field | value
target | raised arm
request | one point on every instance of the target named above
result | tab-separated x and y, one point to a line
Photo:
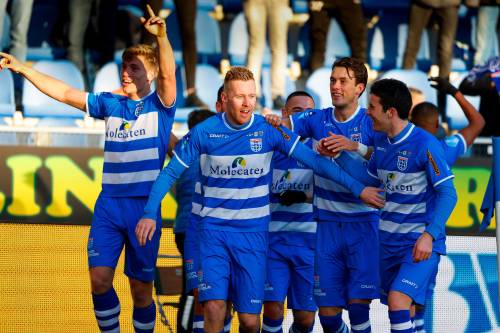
476	121
48	85
165	84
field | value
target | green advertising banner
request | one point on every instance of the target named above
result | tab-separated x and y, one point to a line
61	185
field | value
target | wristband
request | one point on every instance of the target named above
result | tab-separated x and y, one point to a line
362	149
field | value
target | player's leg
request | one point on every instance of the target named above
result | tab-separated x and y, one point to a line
363	263
191	268
140	262
329	277
278	280
104	246
300	295
248	252
214	276
409	286
419	309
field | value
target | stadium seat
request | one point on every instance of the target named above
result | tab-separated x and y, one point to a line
206	5
208	81
37	104
174	36
5	37
266	86
299	6
455	115
208	38
318	86
107	78
7	104
415	79
336	44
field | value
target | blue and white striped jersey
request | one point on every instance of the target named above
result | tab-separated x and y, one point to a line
294	224
235	171
454	146
410	166
332	201
136	141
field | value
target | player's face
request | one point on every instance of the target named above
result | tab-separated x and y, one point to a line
343	87
239	101
136	76
381	118
297	104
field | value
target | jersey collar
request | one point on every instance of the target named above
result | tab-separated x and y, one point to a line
244	127
348	119
405	133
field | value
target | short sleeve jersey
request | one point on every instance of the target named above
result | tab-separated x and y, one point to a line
332	201
410	166
235	170
136	141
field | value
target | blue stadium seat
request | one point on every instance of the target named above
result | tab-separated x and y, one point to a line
238	43
266	86
415	79
206	5
174	36
455	115
299	6
318	86
5	37
107	78
336	44
383	42
37	104
208	38
7	104
208	81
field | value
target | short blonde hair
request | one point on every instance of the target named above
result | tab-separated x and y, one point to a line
149	53
238	73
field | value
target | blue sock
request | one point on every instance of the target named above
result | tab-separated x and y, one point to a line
198	322
419	321
107	311
227	324
144	318
333	324
300	329
400	321
272	326
359	315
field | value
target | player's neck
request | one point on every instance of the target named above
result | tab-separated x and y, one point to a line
139	94
344	112
397	127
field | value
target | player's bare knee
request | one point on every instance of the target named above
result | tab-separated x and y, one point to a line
215	307
398	301
249	323
329	310
303	318
101	279
273	310
141	293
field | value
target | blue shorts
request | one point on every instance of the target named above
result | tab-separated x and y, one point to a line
233	264
290	273
346	263
113	227
191	257
400	273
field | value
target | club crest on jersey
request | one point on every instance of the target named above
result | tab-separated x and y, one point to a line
256	144
402	163
356	137
138	108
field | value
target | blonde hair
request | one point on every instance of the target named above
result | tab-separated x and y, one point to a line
238	73
149	53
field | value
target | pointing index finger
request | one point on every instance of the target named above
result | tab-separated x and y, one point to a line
150	11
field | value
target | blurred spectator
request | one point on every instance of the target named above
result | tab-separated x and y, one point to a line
186	16
349	15
446	13
20	15
417	97
486	33
80	12
259	15
484	81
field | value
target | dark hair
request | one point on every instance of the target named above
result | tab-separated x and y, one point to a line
197	116
219	94
356	66
298	93
393	93
423	111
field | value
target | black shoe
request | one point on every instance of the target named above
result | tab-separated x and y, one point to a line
278	103
192	100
